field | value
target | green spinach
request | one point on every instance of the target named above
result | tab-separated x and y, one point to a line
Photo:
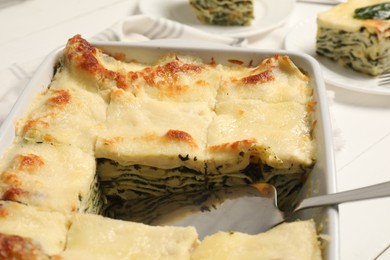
375	12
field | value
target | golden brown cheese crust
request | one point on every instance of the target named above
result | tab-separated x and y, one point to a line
175	78
261	77
53	177
146	131
181	136
166	75
64	117
81	57
21	223
29	163
166	78
277	134
60	98
20	248
275	79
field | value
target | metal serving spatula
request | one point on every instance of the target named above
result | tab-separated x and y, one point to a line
250	209
253	209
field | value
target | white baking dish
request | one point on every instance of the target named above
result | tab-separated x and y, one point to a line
322	179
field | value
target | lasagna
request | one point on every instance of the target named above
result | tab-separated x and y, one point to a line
297	240
55	177
27	232
224	12
354	36
180	126
96	237
107	135
64	116
31	231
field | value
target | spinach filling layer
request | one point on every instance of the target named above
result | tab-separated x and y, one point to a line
145	194
361	50
224	12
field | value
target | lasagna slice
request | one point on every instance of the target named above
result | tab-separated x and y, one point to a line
359	42
296	240
274	80
92	69
177	78
152	147
224	12
253	141
28	231
96	237
58	178
64	117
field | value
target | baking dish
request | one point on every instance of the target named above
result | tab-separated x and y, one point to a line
322	178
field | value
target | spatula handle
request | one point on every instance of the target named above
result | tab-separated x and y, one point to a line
369	192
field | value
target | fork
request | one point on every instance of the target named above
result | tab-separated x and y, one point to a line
384	80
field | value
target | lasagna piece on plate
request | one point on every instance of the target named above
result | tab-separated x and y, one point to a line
224	12
356	34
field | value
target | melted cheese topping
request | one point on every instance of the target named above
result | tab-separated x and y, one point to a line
58	178
161	111
296	240
176	78
155	133
279	134
274	80
341	17
46	229
64	117
140	128
166	129
87	65
95	237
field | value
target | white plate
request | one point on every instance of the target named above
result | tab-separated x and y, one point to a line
268	15
302	38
